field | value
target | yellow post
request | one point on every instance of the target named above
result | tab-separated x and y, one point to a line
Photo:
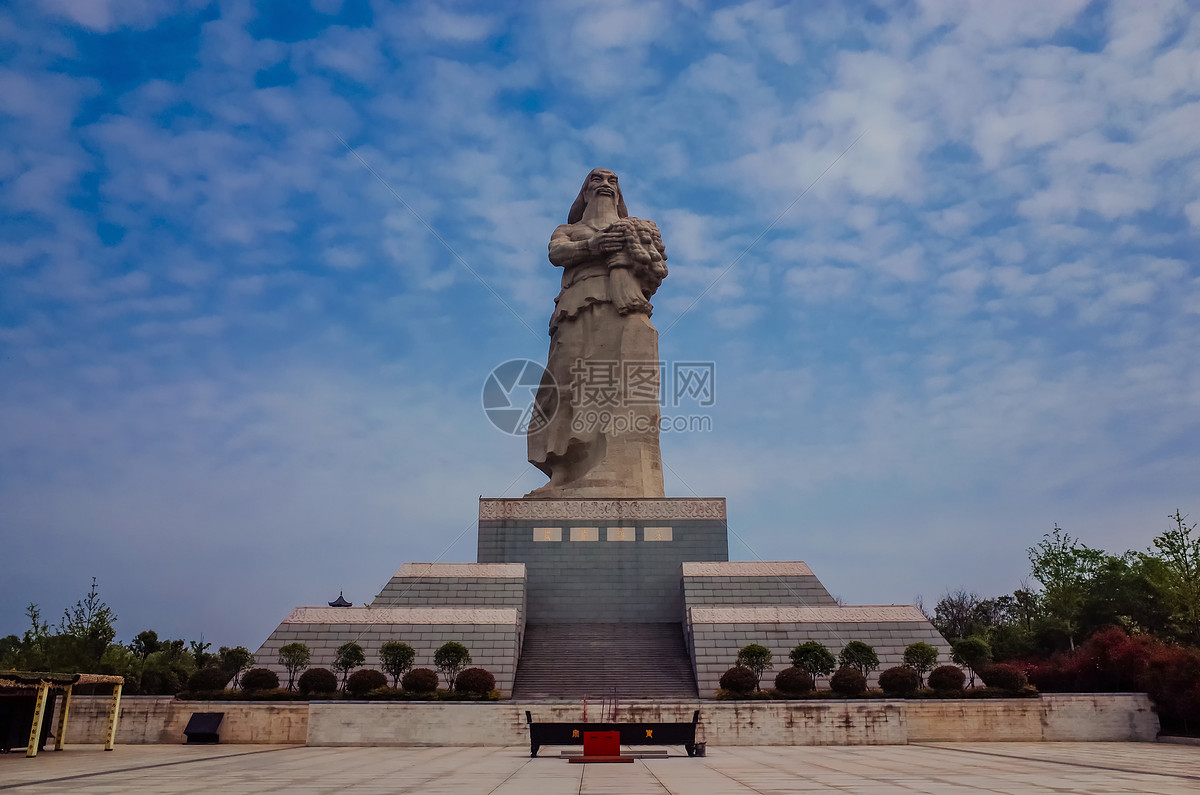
113	712
39	712
60	736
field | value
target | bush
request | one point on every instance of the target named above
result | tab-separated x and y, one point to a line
318	680
848	682
900	681
1173	681
348	657
450	659
294	657
476	681
793	681
420	680
859	655
813	657
947	679
1003	676
260	679
757	658
1115	662
921	657
395	658
739	680
365	680
210	678
973	652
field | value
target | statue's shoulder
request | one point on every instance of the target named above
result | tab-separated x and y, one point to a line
572	232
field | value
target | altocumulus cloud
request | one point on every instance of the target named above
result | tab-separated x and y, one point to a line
228	352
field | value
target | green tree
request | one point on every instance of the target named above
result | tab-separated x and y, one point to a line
860	656
294	657
922	658
235	660
1064	567
32	654
1126	592
200	652
145	643
757	658
118	660
396	658
10	650
86	630
812	656
973	652
1179	551
348	657
167	670
956	614
451	659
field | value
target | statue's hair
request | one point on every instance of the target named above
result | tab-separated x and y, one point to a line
576	214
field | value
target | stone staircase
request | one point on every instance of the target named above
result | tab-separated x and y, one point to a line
598	660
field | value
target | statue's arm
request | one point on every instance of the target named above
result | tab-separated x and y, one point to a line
565	252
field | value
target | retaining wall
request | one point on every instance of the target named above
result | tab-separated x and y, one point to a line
1060	717
152	720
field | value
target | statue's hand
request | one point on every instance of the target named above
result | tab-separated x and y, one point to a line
606	242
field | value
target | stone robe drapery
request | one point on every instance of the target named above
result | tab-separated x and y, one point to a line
601	435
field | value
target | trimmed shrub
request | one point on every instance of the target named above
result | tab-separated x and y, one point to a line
364	680
757	658
793	681
476	681
739	680
420	680
294	657
900	681
848	682
209	678
973	652
395	658
1003	676
348	657
921	657
451	658
947	679
318	680
813	657
260	679
859	655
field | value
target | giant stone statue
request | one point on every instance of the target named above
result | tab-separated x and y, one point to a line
596	425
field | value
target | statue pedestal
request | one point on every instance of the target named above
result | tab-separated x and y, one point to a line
603	560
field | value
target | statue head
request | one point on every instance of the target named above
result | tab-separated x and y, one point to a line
596	181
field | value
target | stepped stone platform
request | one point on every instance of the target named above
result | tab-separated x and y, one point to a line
424	605
599	660
716	633
596	597
734	584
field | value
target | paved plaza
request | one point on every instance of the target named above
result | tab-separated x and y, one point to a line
943	768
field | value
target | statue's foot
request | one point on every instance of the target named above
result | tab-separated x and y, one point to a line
543	492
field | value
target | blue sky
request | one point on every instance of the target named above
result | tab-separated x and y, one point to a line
237	375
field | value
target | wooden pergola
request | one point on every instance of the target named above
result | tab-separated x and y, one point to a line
42	685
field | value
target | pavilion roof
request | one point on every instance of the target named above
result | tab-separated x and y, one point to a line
24	679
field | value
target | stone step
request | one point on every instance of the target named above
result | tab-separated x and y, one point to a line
599	660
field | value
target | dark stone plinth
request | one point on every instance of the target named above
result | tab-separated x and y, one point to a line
609	579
